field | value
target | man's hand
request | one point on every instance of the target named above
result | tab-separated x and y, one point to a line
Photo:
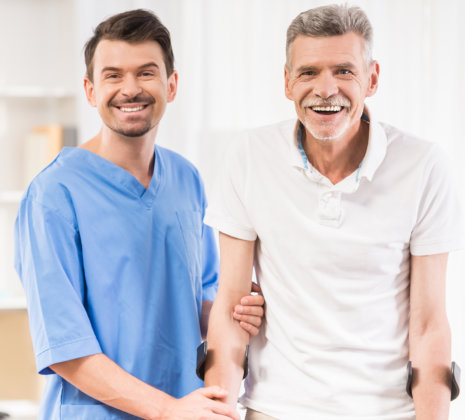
250	311
200	404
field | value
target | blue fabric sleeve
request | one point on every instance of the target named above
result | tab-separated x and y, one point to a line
209	256
210	264
48	259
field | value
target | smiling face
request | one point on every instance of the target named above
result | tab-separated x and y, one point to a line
328	80
130	87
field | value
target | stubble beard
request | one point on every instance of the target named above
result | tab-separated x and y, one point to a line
138	130
134	131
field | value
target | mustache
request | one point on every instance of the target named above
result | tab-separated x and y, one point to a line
144	98
331	101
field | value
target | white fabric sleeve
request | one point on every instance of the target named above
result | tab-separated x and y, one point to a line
439	228
227	211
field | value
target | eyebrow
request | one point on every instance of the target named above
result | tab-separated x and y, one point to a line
303	69
345	65
105	69
143	66
151	64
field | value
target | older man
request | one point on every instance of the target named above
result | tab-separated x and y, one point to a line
349	223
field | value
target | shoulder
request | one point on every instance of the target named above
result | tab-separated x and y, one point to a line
51	179
411	149
175	162
49	191
180	175
397	138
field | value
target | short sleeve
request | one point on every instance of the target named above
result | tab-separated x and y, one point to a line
439	227
48	259
227	211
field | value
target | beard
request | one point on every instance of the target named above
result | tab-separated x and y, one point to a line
329	133
137	131
137	128
328	136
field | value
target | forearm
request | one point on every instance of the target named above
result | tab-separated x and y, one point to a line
102	379
226	339
429	337
226	350
430	355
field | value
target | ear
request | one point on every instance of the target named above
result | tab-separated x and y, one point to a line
90	92
287	78
373	74
172	86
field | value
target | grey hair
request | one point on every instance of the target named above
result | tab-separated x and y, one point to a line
332	20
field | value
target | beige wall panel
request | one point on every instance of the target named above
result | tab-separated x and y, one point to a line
18	377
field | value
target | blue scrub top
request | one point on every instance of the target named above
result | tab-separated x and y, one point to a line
109	266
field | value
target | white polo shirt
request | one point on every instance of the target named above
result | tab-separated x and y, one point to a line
333	264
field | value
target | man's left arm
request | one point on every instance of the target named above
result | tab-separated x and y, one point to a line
249	313
429	337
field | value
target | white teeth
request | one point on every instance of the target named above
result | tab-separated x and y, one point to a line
124	109
334	108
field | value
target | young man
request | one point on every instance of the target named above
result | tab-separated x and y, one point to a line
118	268
349	223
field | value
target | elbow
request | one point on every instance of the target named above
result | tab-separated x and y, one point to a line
430	344
433	323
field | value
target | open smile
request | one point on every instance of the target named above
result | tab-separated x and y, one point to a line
327	110
132	109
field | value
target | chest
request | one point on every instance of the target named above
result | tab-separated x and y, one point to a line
310	224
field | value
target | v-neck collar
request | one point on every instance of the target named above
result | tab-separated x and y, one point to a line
120	177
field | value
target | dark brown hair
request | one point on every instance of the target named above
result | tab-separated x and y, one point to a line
133	26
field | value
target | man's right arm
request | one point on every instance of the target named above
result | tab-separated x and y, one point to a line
48	261
226	339
101	378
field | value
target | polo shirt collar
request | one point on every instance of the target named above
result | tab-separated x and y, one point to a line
295	157
376	149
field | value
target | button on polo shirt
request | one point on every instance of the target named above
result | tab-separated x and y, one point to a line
330	208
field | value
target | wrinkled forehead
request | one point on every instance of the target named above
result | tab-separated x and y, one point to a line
309	50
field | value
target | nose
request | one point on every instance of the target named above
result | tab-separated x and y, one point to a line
325	85
130	86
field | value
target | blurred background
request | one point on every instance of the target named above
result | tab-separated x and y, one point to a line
230	57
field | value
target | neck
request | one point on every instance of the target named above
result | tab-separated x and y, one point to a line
133	154
337	159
